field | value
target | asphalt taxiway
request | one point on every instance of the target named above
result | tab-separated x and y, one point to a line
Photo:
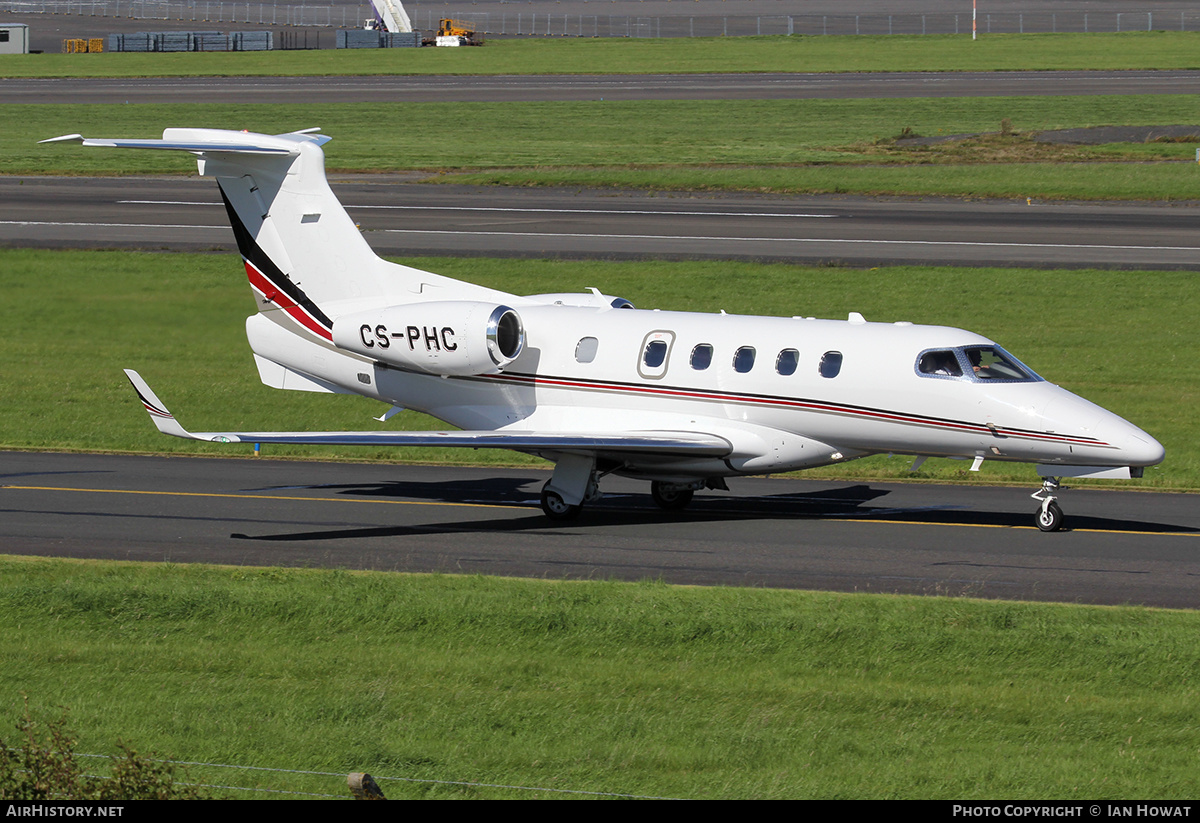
1118	548
401	218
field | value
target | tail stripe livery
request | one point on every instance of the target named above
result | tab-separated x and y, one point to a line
275	286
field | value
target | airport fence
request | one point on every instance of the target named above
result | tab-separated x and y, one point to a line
508	23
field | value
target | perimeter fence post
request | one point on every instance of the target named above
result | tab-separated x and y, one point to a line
889	24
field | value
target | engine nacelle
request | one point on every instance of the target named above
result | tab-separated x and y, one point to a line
450	337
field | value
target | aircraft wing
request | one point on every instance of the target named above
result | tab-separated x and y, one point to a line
696	444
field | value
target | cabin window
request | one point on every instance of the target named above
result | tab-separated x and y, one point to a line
787	361
831	364
656	354
939	363
743	359
585	350
702	356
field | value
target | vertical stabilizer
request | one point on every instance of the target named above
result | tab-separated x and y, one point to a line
306	260
301	250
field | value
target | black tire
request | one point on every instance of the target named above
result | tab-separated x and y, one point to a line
1049	518
555	507
670	498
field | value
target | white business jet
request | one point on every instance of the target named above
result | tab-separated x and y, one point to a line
681	399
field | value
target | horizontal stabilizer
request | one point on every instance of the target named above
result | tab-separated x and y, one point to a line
694	444
205	140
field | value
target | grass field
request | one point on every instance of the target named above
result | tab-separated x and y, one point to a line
775	145
1121	339
997	52
640	689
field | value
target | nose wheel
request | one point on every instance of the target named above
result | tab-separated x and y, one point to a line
1048	516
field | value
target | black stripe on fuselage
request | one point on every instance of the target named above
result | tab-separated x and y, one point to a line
782	401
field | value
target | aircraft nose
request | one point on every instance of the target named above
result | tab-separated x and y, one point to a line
1134	446
1142	449
1137	447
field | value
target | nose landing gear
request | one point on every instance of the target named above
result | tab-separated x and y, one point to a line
1048	516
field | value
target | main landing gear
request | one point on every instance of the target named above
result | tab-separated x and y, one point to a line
673	497
576	482
1048	516
555	507
668	496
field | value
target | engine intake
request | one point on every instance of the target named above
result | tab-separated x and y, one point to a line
451	337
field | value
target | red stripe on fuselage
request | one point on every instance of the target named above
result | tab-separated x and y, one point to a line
785	402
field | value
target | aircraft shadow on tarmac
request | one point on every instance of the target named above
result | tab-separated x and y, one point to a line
617	509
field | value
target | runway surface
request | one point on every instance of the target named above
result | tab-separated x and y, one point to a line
400	89
1120	547
401	218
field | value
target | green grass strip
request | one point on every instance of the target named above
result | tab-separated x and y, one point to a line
73	320
995	52
775	145
643	689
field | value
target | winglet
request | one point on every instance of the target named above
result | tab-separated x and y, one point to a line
163	419
78	138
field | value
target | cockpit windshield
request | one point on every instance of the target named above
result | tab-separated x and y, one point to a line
994	363
990	363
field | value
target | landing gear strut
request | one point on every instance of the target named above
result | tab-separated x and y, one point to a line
1048	516
574	483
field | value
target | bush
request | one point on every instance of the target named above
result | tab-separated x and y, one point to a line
47	769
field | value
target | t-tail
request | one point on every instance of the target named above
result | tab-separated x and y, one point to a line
306	260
